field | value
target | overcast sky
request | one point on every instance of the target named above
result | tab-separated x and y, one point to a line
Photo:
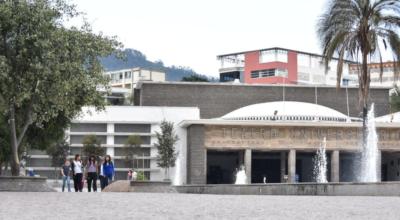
192	33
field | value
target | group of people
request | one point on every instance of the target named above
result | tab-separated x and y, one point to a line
91	171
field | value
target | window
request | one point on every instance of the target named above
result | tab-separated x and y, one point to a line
303	60
255	74
269	73
127	75
282	56
267	56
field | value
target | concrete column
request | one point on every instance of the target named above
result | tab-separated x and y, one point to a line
283	166
247	164
292	166
379	166
335	166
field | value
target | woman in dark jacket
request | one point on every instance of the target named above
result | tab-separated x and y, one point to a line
91	168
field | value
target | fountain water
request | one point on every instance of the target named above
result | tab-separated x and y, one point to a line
320	164
241	176
369	156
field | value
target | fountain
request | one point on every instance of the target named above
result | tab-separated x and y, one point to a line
320	164
369	158
241	176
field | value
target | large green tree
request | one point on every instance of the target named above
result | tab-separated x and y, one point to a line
46	69
360	30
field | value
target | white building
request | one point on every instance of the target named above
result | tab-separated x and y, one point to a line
112	127
127	78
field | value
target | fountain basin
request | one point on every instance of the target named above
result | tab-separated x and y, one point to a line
306	189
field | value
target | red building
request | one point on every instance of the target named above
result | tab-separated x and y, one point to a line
277	66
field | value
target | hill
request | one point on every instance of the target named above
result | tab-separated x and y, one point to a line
134	58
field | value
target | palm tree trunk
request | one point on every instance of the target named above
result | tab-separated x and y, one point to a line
365	92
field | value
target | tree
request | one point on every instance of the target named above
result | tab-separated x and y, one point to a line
354	28
58	153
46	69
395	99
92	147
195	78
166	141
132	145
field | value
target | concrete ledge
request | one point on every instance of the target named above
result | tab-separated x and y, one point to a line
24	184
152	186
321	189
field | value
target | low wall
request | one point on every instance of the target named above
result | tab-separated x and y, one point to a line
152	186
24	184
321	189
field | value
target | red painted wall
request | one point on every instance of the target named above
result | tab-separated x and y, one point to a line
252	63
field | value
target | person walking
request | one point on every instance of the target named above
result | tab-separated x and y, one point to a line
91	178
78	173
66	173
108	170
102	177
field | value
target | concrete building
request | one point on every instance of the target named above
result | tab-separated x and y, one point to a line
388	76
279	140
218	99
279	66
128	78
112	127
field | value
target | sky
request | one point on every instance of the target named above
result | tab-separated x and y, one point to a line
193	32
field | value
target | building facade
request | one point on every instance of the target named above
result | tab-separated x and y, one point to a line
388	79
128	78
279	141
112	127
218	99
279	66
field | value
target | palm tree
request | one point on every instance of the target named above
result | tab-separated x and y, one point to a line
360	30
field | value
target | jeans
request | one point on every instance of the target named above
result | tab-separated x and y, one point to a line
66	179
92	177
102	182
78	185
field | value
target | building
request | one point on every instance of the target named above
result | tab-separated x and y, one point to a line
388	76
218	99
112	127
279	66
128	78
279	140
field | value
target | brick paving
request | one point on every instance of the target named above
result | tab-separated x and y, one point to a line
191	206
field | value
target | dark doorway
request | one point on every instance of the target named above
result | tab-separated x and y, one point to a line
222	166
266	164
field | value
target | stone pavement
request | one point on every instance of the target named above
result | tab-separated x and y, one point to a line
192	206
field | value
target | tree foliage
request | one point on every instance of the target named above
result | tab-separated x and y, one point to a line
195	78
360	30
58	153
46	69
92	147
166	140
131	147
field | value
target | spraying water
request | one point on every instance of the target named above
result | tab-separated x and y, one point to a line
320	164
177	177
369	157
241	176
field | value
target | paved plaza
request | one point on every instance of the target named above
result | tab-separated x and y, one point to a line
190	206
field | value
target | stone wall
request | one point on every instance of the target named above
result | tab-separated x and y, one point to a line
24	184
217	99
196	155
310	189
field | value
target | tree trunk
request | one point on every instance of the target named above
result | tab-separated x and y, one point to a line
14	162
365	93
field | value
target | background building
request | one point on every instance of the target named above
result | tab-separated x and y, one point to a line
277	66
112	127
217	99
388	76
127	78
